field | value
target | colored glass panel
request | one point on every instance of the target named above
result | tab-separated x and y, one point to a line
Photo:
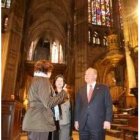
99	12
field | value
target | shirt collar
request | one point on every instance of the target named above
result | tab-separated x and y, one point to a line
40	74
93	84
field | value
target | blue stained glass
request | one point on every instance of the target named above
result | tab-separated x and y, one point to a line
99	12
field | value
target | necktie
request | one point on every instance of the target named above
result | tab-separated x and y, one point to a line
90	93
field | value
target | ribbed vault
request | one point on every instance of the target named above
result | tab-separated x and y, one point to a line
48	20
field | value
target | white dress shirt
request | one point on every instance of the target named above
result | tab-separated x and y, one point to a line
88	87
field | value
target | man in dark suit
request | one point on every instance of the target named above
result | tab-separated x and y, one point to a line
93	110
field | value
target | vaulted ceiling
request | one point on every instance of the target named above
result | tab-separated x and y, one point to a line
48	19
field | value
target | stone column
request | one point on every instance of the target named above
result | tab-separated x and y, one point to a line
12	58
81	40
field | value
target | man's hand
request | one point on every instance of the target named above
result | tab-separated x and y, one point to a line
76	125
107	125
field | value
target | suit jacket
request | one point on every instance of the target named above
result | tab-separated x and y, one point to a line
99	108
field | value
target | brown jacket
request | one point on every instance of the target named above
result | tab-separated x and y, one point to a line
39	116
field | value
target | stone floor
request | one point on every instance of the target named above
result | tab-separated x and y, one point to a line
75	137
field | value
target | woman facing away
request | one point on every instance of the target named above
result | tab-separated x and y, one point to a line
39	120
62	113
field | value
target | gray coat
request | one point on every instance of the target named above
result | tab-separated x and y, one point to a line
39	116
66	113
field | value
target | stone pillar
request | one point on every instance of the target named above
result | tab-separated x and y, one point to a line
81	40
12	46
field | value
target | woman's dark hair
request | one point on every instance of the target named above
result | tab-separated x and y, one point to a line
59	76
43	66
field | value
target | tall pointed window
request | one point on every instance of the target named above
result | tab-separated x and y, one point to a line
5	3
31	51
96	39
105	43
57	53
5	24
100	12
55	50
44	49
89	36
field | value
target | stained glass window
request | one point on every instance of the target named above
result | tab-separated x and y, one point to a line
100	12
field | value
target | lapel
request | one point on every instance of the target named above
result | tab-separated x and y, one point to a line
85	94
95	92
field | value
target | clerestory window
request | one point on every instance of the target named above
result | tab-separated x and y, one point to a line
100	12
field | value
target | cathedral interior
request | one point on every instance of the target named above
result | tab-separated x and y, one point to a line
73	35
